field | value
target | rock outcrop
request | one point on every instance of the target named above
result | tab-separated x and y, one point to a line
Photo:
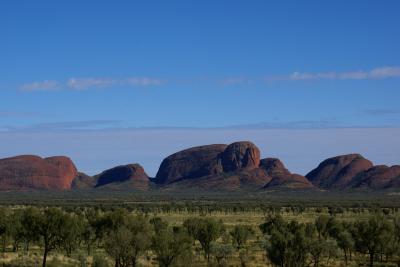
280	177
33	172
273	167
221	167
236	166
338	172
191	163
240	155
377	177
132	176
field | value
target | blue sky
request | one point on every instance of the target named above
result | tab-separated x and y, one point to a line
69	66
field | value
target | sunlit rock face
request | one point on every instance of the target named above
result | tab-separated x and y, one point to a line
33	172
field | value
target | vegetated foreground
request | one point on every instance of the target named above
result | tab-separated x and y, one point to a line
200	234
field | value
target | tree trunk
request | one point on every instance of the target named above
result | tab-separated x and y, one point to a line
371	259
44	257
345	257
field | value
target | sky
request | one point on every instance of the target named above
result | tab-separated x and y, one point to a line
106	72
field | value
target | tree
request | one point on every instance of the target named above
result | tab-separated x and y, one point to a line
319	249
205	230
240	235
369	235
346	243
71	233
272	222
116	245
51	226
171	246
286	243
30	225
158	224
128	241
321	224
16	230
221	253
140	238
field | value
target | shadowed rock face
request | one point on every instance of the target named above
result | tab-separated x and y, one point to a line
240	155
33	172
281	177
378	177
338	172
191	163
133	173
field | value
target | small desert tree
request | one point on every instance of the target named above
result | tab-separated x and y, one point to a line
206	231
171	246
240	235
51	228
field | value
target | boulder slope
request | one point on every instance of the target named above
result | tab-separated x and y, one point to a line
33	172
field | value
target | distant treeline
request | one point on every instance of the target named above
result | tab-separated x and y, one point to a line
128	238
195	202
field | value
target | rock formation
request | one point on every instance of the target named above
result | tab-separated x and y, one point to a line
280	177
191	163
132	175
240	155
338	172
33	172
377	177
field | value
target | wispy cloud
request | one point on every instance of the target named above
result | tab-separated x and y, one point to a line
85	83
236	81
91	83
377	73
88	83
46	85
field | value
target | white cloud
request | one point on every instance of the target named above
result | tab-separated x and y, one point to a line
46	85
142	81
91	83
385	72
87	83
377	73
